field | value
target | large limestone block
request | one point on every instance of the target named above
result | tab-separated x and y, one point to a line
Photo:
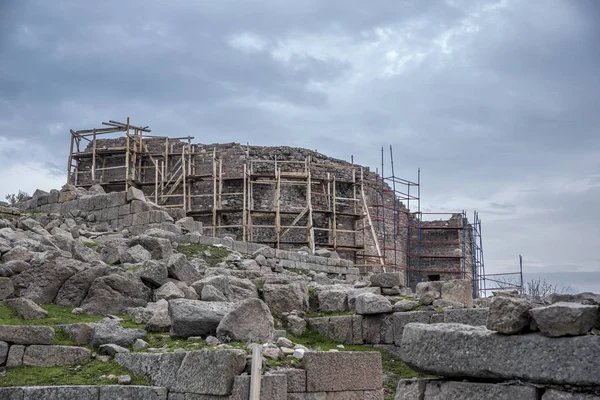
456	350
27	334
43	284
26	308
161	369
159	248
333	300
439	390
6	288
60	392
232	288
466	316
181	269
369	303
296	378
509	315
114	293
196	317
112	392
388	279
459	290
108	333
427	292
249	321
341	329
75	289
553	394
378	329
353	293
55	356
286	297
401	319
272	387
343	371
565	319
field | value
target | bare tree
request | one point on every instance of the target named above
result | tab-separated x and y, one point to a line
535	287
16	198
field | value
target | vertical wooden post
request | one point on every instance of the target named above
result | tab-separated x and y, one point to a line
94	157
127	163
334	216
162	182
255	372
244	204
214	215
277	205
309	222
220	203
183	176
69	178
155	183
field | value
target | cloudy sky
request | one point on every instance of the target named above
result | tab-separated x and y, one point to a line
496	101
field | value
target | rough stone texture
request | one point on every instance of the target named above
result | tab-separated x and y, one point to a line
42	284
333	300
430	389
160	321
333	371
159	248
565	319
405	305
211	293
83	253
296	325
388	279
581	298
296	379
113	294
153	273
81	333
369	303
106	333
113	392
135	255
378	329
26	308
448	349
319	325
15	355
60	392
30	334
232	288
181	269
553	394
340	329
76	288
112	349
509	315
466	316
249	321
6	288
286	297
55	356
399	321
272	387
3	352
195	317
458	290
210	372
353	293
168	291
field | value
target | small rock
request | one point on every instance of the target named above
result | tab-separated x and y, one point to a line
212	341
286	351
26	308
284	342
271	352
124	380
299	354
405	305
102	358
139	344
112	349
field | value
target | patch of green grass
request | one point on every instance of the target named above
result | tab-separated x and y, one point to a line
128	323
88	374
134	268
30	212
214	255
90	244
1	261
393	366
316	314
259	284
57	315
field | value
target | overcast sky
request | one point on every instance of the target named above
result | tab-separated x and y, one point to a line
496	101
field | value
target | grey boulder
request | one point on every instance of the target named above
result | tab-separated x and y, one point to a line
196	317
509	315
249	321
369	303
114	293
565	319
109	333
26	308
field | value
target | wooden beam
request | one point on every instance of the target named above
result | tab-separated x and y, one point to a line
294	222
255	372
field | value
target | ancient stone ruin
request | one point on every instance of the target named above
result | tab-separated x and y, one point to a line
110	289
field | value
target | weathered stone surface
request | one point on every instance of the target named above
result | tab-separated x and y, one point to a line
581	298
211	293
42	284
378	329
565	319
343	371
286	297
26	334
308	396
458	290
249	321
319	325
112	349
333	300
553	394
369	303
466	316
114	293
11	393
26	308
447	350
81	333
427	292
3	352
60	392
107	333
15	355
6	288
232	288
340	329
18	253
388	279
430	389
160	321
400	319
168	291
181	269
272	387
135	194
352	293
11	268
296	325
296	378
153	273
76	288
509	315
112	392
161	369
195	317
55	356
405	305
159	248
84	253
135	255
